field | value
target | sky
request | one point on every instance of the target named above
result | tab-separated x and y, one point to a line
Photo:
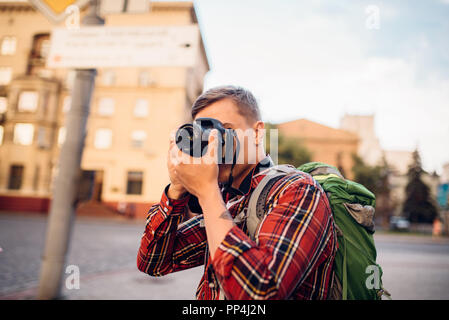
321	59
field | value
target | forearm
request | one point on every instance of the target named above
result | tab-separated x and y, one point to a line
163	241
217	220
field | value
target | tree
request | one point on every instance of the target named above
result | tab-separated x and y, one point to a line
377	180
418	206
366	175
290	150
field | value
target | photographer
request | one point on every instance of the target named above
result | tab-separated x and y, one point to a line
294	248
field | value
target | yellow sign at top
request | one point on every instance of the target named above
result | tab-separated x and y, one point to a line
58	6
55	10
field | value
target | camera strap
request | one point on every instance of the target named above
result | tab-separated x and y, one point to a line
228	184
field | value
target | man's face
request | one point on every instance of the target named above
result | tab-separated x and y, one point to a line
227	113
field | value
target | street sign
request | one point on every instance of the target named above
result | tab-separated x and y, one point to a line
55	10
113	46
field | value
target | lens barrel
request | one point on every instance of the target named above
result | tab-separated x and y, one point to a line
192	139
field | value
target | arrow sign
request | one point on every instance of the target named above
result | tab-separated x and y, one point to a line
114	46
55	10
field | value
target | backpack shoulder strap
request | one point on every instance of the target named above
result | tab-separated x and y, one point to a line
258	198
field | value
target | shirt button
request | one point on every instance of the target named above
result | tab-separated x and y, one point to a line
165	209
211	285
167	203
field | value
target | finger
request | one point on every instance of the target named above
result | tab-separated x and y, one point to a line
211	153
172	136
173	154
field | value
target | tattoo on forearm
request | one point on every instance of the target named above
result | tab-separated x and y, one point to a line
226	215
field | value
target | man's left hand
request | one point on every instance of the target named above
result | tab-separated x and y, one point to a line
200	175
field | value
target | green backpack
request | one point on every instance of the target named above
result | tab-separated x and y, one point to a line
357	275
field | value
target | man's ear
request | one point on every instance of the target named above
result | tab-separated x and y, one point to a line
259	132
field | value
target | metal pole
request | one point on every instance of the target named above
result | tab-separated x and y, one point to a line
62	211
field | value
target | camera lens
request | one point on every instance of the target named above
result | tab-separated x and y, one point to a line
192	139
184	139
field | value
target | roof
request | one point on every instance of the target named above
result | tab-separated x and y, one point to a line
310	130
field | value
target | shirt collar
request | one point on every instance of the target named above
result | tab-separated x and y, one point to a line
246	183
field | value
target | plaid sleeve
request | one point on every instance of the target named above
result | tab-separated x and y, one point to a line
168	246
292	240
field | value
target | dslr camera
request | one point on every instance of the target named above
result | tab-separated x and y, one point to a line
193	138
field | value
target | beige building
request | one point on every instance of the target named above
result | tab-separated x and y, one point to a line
329	145
369	147
398	160
133	111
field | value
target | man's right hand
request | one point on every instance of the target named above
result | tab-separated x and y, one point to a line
176	190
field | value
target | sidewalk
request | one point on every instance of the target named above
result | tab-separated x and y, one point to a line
410	238
126	284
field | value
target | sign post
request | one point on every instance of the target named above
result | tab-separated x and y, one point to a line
62	210
85	49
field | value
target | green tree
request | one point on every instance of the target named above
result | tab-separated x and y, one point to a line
418	205
365	174
377	180
290	150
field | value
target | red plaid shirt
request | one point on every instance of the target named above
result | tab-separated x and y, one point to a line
291	258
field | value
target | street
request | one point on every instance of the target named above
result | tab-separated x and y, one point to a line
415	267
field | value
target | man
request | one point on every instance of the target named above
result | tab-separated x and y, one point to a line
295	246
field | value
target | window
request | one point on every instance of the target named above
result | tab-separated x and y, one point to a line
134	182
106	107
3	104
108	78
41	46
15	177
66	104
144	79
103	139
45	48
28	101
61	135
5	75
141	108
23	134
1	135
8	46
138	138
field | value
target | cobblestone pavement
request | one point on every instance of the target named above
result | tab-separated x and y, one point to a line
105	252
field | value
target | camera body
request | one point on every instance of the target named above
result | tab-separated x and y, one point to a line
193	139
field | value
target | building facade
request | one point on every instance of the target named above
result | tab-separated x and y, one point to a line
326	144
133	111
363	126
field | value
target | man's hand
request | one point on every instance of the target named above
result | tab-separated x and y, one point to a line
199	176
176	189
